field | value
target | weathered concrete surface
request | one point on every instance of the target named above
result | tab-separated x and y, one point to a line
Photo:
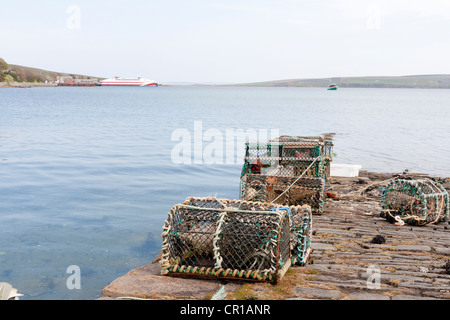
411	262
146	282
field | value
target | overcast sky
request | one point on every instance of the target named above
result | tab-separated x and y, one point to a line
228	40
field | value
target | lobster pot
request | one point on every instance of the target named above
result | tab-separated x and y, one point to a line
301	231
267	188
308	148
302	166
284	167
221	238
416	202
324	143
290	157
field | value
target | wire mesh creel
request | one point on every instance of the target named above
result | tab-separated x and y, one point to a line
284	190
221	238
415	201
303	147
289	156
289	170
301	233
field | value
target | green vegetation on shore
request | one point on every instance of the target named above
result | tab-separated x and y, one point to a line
14	73
416	81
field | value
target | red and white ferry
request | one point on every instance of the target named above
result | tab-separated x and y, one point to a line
137	82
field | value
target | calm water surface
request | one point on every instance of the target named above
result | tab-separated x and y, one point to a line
87	177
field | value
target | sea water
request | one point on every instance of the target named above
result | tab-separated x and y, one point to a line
88	175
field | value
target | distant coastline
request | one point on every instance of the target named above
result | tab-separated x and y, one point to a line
16	76
26	85
436	81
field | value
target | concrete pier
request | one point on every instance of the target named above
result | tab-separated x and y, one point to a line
348	262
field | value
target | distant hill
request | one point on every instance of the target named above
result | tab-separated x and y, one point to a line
415	81
16	73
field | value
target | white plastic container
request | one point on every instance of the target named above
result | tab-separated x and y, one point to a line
344	170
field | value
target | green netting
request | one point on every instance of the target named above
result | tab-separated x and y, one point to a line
284	190
301	231
289	170
221	238
416	202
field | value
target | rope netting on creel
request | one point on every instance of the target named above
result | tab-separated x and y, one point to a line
301	232
301	150
284	167
414	201
221	238
288	170
264	188
289	156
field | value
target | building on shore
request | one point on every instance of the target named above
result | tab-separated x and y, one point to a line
72	81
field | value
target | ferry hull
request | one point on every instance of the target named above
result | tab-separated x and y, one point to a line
106	84
123	82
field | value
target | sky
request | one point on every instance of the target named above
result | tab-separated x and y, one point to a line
218	41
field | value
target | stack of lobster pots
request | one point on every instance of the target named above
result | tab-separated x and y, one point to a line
259	236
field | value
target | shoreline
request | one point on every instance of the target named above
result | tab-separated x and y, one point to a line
26	85
5	85
413	261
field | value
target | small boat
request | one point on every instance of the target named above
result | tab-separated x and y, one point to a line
332	86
